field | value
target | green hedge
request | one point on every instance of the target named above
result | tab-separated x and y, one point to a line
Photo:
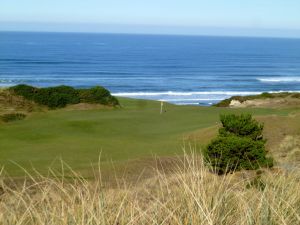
97	95
60	96
239	145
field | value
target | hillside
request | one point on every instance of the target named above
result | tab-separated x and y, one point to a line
264	100
94	164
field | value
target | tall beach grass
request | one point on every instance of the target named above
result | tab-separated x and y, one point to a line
190	194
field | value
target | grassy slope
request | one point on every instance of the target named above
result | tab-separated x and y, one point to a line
137	130
282	95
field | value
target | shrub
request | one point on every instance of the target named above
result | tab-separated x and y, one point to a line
12	117
242	126
69	93
24	90
60	96
97	95
57	97
239	145
231	153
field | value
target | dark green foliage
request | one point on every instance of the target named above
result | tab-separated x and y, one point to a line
60	96
97	95
24	90
12	117
56	97
266	95
239	145
231	153
242	126
224	103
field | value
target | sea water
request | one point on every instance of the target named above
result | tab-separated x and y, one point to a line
176	69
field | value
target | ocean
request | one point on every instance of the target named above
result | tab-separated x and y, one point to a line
198	70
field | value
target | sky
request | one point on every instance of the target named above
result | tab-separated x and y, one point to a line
209	17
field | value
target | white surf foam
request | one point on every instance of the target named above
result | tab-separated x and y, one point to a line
279	79
190	98
174	93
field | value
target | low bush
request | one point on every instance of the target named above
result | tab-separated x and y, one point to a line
239	145
242	126
226	154
60	96
10	117
24	90
98	95
57	97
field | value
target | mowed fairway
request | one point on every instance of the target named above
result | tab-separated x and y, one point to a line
137	130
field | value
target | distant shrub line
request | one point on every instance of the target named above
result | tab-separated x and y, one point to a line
239	145
60	96
226	102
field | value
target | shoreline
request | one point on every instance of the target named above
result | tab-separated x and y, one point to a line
193	98
174	97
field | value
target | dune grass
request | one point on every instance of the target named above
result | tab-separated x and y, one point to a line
137	130
190	194
265	95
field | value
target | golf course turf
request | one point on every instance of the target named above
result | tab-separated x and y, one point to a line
78	137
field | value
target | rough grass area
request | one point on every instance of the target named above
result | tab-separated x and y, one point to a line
288	152
241	99
10	103
281	132
188	195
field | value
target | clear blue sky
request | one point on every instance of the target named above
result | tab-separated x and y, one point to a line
269	17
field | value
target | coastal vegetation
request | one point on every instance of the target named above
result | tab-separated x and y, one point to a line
187	194
239	145
265	95
60	96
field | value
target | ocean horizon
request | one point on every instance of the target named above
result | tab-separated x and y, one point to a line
177	69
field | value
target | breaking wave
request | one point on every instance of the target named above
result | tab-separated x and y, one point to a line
279	79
